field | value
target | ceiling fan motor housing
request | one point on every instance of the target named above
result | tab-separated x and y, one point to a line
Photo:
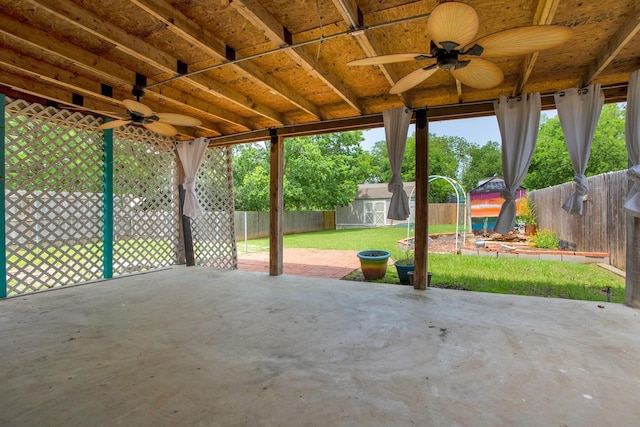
447	60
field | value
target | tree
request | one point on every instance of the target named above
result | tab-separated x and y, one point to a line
551	164
320	172
486	161
448	156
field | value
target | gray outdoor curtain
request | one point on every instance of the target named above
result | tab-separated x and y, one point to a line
396	126
632	134
518	120
579	111
191	154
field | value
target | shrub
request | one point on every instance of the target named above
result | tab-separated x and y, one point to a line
545	239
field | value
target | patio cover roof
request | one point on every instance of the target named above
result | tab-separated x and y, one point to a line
246	66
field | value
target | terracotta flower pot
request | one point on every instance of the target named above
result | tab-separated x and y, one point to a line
374	263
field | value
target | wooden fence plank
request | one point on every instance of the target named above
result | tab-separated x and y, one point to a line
601	228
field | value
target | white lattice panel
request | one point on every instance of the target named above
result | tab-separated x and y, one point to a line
214	232
53	161
145	201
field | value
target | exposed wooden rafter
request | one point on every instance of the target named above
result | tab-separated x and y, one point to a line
188	30
544	16
613	47
349	11
111	73
255	13
137	48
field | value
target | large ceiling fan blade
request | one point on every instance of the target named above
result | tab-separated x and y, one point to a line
161	128
389	59
114	124
178	119
413	79
479	74
137	107
453	22
522	40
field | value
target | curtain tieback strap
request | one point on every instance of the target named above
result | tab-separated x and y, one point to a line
189	184
582	188
395	183
508	195
633	173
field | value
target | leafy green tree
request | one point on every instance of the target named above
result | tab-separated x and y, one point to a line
551	164
448	156
485	161
320	172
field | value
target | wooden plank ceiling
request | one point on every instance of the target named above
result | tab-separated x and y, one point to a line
246	66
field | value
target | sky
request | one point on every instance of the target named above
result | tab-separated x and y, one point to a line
478	130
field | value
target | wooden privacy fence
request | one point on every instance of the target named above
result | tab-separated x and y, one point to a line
601	228
443	213
254	225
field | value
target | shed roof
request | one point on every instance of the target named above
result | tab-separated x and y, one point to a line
492	185
380	191
248	68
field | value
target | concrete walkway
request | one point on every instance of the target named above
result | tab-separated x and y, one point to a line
202	347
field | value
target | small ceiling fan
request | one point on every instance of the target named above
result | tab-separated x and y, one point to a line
452	27
160	123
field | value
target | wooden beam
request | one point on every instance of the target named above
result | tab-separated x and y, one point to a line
276	203
350	12
459	90
421	242
255	13
108	72
74	82
142	51
193	33
632	291
620	39
545	12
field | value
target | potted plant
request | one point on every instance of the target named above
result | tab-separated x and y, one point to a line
373	263
404	265
528	216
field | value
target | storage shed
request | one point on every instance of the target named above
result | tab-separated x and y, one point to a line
370	206
486	202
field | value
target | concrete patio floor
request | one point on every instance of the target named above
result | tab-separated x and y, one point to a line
202	347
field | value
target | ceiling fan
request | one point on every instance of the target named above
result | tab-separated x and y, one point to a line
160	123
452	27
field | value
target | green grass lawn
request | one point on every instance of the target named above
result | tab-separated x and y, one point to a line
483	274
354	239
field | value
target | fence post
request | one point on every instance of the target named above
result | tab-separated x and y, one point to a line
3	249
107	238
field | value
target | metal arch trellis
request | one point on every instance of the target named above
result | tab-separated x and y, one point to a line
460	199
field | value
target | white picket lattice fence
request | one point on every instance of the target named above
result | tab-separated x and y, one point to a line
52	158
145	212
214	231
54	201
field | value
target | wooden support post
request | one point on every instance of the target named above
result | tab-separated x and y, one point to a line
421	242
107	205
633	262
189	254
180	255
276	203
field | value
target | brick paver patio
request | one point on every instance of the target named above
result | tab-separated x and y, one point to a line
320	263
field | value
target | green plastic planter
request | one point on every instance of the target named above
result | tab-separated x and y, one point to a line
373	263
403	272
